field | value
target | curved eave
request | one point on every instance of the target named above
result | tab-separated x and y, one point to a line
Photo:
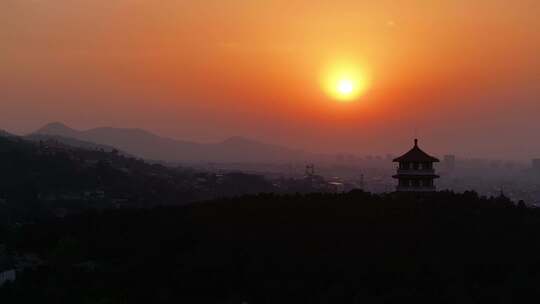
416	155
411	159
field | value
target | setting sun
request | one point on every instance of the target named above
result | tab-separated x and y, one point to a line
344	82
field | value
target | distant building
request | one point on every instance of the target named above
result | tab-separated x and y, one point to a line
336	187
449	163
536	165
415	172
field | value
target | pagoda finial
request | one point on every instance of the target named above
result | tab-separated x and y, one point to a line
416	142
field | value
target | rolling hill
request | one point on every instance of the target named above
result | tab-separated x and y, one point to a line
147	145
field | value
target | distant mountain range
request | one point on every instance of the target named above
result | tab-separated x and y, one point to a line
146	145
68	141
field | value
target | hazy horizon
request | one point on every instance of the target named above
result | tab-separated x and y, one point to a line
463	77
107	141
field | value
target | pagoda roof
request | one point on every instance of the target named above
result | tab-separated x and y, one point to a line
416	155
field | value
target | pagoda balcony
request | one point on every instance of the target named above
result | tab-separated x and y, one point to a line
416	189
415	171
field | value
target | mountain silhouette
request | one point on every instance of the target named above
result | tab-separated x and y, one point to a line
69	141
147	145
4	133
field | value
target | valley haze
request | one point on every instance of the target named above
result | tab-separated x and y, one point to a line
149	146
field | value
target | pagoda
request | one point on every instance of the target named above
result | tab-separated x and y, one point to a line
415	172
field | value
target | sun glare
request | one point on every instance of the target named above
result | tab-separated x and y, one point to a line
345	83
345	87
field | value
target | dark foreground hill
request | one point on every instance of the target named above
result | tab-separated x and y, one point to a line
350	248
45	177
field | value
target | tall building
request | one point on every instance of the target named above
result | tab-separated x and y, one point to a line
415	172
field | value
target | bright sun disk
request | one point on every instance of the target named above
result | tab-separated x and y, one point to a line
345	82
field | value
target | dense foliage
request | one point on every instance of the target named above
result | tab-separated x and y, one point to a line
317	248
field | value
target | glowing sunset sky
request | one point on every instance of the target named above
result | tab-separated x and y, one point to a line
464	73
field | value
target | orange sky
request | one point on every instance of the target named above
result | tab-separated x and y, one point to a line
464	73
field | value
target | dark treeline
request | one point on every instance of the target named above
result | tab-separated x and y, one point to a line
318	248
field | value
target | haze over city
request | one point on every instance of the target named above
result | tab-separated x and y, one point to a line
362	77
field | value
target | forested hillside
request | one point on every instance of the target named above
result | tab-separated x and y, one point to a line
318	248
47	178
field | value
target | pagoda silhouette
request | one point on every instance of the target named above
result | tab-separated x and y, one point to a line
415	172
